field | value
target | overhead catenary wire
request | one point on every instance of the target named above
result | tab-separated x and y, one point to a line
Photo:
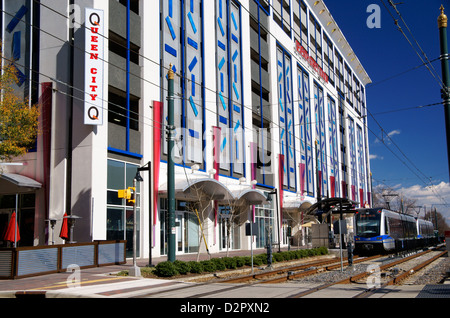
159	86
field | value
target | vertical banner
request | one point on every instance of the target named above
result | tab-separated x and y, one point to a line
216	150
216	165
157	131
93	69
280	187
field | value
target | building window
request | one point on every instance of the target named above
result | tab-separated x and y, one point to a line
229	88
261	105
306	143
119	222
187	234
353	167
333	146
300	18
134	5
328	58
25	217
321	161
361	166
282	14
348	85
265	220
118	113
339	72
182	47
315	40
286	120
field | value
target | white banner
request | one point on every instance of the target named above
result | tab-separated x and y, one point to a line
94	64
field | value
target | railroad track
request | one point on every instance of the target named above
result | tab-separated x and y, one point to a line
294	274
364	275
397	279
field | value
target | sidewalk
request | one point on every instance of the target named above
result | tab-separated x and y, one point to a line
101	275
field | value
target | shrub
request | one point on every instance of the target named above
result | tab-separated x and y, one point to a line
182	267
278	257
208	266
240	261
195	267
260	258
230	262
247	260
219	264
257	261
166	269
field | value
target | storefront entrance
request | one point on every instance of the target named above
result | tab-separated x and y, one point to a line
25	216
266	222
229	233
187	233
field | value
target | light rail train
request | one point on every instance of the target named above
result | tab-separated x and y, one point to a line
381	230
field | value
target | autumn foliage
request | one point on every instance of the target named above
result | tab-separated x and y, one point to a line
18	120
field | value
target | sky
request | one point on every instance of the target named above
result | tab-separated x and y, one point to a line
408	147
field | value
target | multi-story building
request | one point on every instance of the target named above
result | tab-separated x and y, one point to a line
270	109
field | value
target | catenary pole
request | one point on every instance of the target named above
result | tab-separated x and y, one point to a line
443	23
171	167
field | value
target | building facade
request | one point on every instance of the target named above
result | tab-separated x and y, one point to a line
270	115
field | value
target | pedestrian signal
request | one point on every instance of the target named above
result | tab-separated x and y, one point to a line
127	194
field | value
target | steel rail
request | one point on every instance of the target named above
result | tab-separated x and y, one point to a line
399	278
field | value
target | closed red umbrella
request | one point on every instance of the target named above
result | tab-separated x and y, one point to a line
64	234
11	234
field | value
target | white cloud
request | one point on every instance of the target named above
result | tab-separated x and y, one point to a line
437	196
394	132
374	157
390	134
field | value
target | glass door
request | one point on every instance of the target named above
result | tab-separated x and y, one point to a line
179	223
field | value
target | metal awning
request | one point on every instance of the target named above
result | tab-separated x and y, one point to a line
295	204
332	205
12	183
198	189
249	197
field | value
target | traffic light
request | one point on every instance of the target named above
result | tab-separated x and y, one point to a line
127	194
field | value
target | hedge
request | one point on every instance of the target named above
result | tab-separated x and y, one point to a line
169	269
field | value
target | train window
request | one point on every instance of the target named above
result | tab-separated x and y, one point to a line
386	227
368	225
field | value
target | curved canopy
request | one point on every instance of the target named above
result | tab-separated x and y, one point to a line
12	183
251	197
295	204
204	189
332	205
198	189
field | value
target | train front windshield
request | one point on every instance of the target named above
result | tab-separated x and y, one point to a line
368	223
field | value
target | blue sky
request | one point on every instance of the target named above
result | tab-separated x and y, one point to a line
417	155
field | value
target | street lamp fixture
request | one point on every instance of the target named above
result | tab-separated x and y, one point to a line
138	177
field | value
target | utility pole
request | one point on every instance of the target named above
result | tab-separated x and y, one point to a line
443	23
171	167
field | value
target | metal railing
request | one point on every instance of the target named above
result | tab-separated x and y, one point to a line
40	260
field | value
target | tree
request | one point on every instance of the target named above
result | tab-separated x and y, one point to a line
388	198
18	120
436	217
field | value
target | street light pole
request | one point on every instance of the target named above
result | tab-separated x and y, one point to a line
148	167
442	24
135	270
171	167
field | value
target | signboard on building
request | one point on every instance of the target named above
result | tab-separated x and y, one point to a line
94	66
304	54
